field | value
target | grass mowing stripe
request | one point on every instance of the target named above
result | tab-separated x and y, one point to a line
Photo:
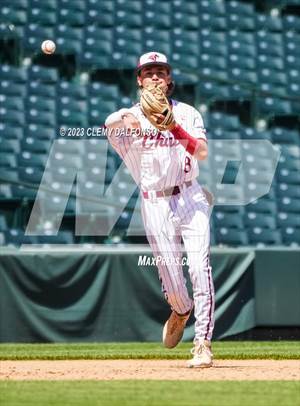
222	350
167	393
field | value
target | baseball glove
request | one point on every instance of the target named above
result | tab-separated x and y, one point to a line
157	108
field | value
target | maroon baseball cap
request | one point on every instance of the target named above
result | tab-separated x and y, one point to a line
152	58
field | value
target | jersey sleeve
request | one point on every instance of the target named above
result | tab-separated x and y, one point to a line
198	130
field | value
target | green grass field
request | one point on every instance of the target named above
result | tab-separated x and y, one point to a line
145	392
160	393
221	349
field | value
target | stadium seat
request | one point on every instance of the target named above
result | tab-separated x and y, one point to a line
35	34
131	19
13	16
285	136
224	219
10	88
291	235
9	145
69	16
11	132
41	103
216	8
30	174
11	102
241	22
9	175
271	106
264	236
11	73
39	89
37	131
214	22
288	204
230	236
41	117
41	16
45	75
287	219
33	145
284	189
268	23
288	176
72	89
28	159
262	205
253	219
8	159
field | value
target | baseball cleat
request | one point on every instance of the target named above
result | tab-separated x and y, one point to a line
174	328
202	356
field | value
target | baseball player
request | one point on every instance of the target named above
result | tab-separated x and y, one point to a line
160	141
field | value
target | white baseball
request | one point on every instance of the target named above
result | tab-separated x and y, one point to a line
48	47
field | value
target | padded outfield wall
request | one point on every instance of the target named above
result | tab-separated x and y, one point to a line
73	294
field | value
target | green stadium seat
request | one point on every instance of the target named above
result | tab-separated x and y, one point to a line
284	189
214	91
223	219
230	236
67	117
288	176
30	159
3	223
105	6
241	22
48	5
240	48
262	205
11	102
241	61
73	4
97	17
224	121
156	19
66	160
71	104
128	61
70	33
70	17
9	145
41	103
272	106
9	174
14	117
286	219
103	91
254	219
10	88
214	22
104	34
30	174
130	19
8	159
291	22
44	75
122	45
186	21
268	22
243	75
159	46
92	60
238	7
33	145
40	117
13	16
285	136
213	61
71	89
11	132
288	204
11	73
181	7
217	8
264	61
16	4
68	46
38	131
41	16
264	236
291	236
183	48
41	89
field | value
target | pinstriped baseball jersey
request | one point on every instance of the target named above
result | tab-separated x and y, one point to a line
156	160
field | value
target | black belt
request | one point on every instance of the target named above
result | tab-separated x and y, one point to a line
165	193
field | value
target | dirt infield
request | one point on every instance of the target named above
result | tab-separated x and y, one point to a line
149	369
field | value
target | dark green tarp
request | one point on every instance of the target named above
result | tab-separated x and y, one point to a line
73	295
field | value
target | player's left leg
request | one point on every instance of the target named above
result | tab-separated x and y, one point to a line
195	213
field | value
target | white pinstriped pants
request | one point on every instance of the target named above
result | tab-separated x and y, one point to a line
167	221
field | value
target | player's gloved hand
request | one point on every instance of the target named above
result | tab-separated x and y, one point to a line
156	107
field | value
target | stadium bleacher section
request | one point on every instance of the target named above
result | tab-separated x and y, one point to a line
237	61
